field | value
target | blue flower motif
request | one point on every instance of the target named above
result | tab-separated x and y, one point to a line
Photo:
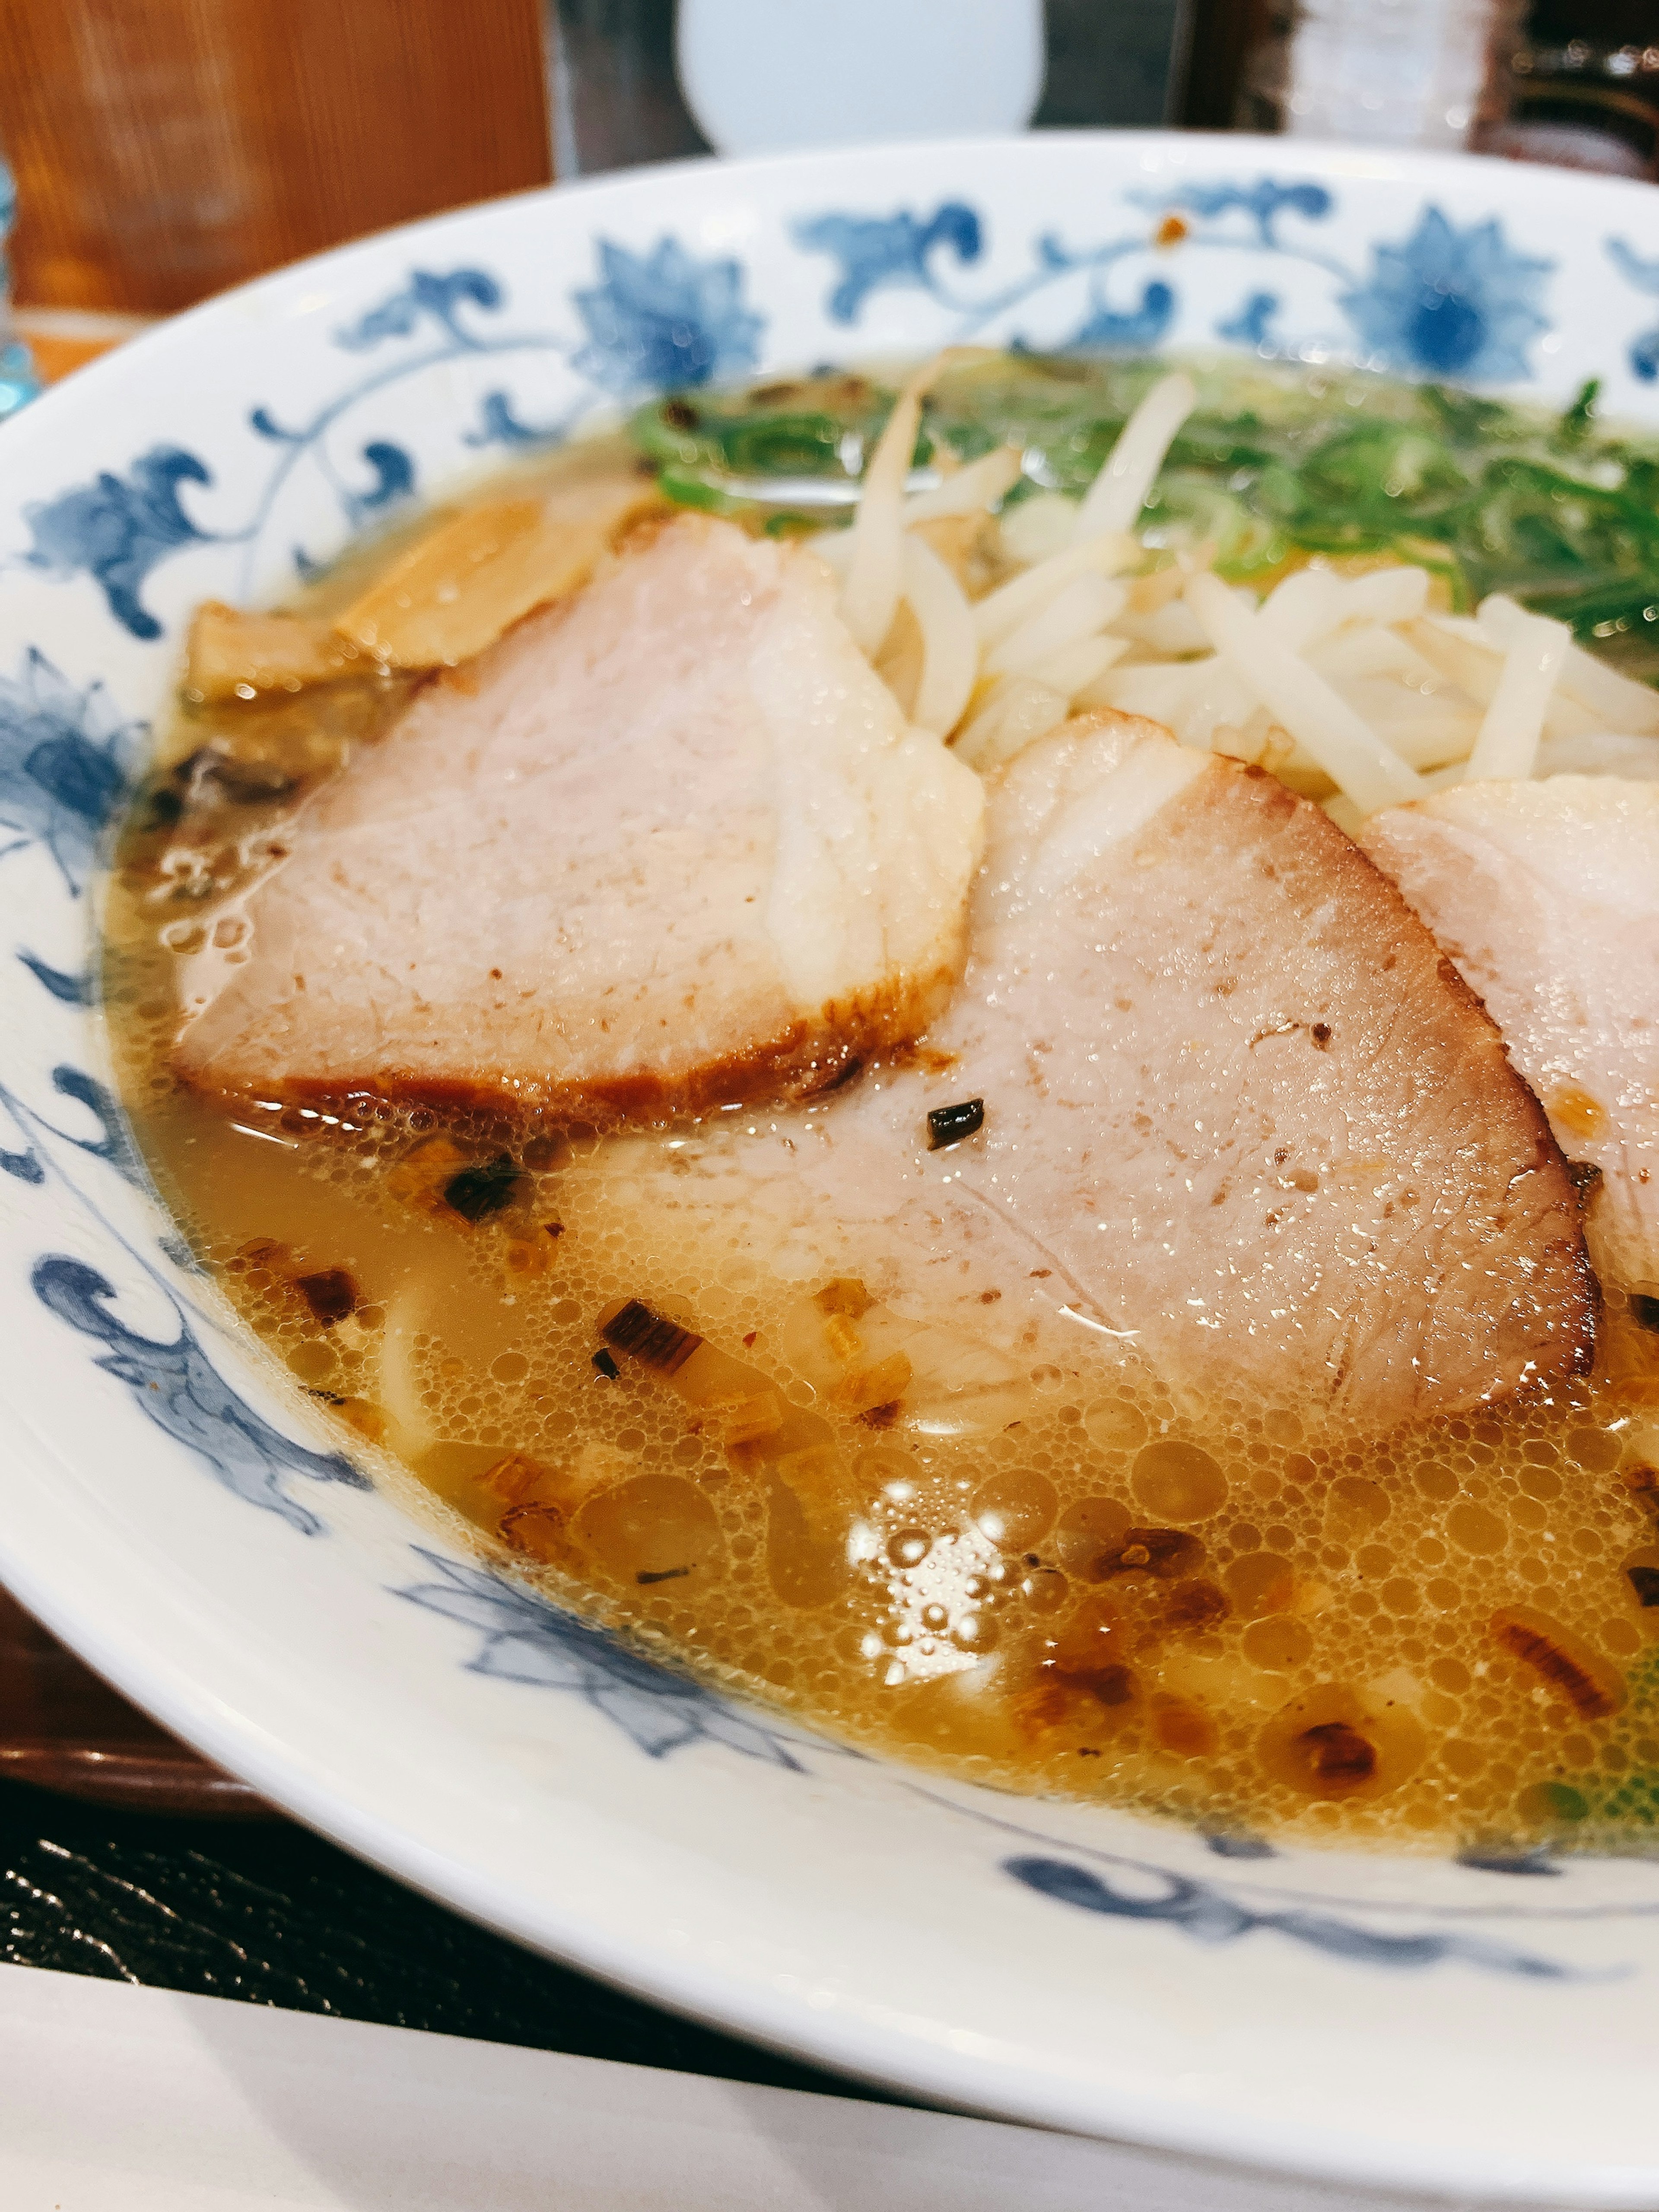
1134	331
64	755
424	298
116	528
179	1390
662	322
1265	201
1644	276
889	250
526	1639
1451	302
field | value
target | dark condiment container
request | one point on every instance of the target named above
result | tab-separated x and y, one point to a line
1583	88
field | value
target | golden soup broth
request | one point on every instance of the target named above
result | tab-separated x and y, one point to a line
1024	1562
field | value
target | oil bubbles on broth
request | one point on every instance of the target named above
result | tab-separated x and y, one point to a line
645	1380
1449	1636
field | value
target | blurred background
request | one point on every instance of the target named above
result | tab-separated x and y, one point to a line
164	149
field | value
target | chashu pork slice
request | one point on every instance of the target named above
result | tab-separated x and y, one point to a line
1547	896
1242	1119
668	844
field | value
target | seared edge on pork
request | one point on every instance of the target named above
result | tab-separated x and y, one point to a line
669	845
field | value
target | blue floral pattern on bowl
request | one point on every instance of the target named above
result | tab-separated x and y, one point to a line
1643	350
108	555
1447	303
665	322
1443	301
65	755
526	1639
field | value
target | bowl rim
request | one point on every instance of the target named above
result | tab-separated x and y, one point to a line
850	2043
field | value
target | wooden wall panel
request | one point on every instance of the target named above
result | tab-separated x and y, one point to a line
165	148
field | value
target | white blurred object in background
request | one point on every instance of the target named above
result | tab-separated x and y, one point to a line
765	76
1381	72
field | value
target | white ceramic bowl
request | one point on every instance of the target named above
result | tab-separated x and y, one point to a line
169	1505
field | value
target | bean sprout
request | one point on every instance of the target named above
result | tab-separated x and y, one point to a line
1119	492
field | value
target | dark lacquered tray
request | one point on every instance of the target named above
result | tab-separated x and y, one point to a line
125	1855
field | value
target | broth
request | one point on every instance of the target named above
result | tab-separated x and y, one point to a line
1010	1552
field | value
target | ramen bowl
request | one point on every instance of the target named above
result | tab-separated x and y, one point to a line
171	1503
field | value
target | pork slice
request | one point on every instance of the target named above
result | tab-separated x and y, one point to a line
1547	896
668	844
1240	1116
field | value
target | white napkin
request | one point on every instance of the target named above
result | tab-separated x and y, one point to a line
115	2098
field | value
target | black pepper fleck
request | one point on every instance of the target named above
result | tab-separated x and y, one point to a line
949	1125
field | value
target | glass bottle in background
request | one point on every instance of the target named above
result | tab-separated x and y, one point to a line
1381	72
17	379
1582	87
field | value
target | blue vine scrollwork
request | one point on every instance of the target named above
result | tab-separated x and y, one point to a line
650	321
1263	202
118	527
879	252
1207	1913
882	252
1251	322
426	297
1443	301
177	1387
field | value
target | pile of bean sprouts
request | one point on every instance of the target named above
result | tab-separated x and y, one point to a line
1354	688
